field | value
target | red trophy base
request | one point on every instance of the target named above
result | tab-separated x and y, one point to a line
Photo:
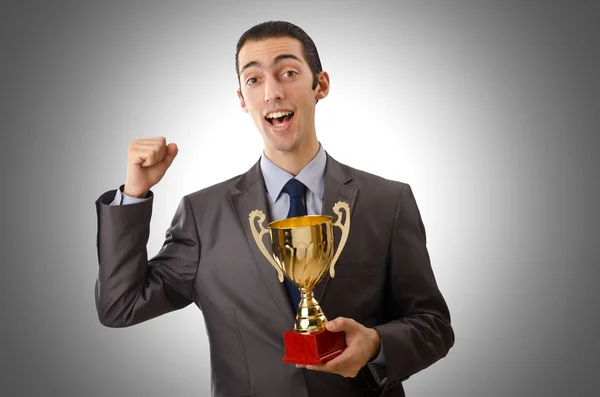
313	349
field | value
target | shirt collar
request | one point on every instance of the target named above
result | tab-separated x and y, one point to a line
312	175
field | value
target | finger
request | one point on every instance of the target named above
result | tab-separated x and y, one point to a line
144	156
336	364
148	145
138	155
160	151
156	139
158	144
157	153
348	368
327	367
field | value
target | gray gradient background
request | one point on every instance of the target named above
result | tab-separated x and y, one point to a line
490	110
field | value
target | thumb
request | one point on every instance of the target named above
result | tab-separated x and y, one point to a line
172	151
339	324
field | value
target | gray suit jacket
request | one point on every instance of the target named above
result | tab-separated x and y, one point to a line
383	280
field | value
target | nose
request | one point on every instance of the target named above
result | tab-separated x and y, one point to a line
273	90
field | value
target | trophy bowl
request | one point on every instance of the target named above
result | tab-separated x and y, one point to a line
303	249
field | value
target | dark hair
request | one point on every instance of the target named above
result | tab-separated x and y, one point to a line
274	29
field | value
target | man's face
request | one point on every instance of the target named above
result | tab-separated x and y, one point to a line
276	89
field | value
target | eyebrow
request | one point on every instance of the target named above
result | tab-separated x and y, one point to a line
277	59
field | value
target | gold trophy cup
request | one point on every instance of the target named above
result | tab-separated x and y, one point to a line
303	252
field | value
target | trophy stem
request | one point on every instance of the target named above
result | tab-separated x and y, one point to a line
310	318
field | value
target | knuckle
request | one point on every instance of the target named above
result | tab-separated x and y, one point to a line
150	157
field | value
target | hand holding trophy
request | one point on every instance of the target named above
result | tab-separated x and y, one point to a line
303	252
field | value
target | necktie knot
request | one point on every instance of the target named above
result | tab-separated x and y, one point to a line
294	188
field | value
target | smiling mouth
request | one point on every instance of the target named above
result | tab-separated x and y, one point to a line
281	120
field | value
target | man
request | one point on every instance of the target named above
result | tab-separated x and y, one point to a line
384	296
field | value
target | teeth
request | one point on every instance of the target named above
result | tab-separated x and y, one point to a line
278	114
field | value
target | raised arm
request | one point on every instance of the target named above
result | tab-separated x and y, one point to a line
130	288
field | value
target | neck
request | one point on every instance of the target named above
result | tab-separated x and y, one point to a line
293	161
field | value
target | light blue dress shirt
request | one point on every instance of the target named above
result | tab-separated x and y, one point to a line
313	177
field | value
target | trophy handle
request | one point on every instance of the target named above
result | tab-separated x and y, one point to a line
345	229
258	238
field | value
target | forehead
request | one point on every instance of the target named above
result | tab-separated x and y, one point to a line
265	51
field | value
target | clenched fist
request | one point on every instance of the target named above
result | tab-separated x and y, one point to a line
147	161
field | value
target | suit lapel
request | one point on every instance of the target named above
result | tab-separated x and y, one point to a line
252	195
336	189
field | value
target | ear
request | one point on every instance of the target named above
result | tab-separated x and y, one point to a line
322	88
242	101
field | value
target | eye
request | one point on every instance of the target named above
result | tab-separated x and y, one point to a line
251	80
290	73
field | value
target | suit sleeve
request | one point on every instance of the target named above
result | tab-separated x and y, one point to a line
130	288
420	332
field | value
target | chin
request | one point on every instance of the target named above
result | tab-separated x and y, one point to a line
282	145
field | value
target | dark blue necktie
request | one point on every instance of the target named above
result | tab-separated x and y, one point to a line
296	190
